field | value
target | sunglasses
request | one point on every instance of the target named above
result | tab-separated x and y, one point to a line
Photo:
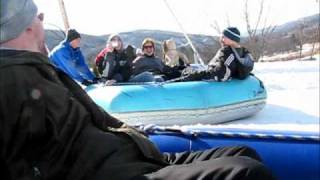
147	47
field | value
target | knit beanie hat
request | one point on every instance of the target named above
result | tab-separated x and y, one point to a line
232	33
16	16
72	34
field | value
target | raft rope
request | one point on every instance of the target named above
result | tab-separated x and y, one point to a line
194	133
184	32
181	78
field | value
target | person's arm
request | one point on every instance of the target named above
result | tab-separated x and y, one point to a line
45	117
184	59
62	59
218	57
83	67
99	60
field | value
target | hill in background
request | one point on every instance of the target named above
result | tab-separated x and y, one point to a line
284	38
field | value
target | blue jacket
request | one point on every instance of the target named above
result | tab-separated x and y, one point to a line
71	61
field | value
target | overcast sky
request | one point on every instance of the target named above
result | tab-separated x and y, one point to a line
98	17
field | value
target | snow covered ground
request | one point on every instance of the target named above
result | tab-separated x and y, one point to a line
293	96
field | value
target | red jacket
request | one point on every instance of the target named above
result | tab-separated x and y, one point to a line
101	55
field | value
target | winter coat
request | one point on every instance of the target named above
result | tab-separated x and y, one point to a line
71	61
116	64
147	63
226	64
50	128
154	65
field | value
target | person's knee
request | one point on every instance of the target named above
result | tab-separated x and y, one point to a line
246	168
256	170
247	151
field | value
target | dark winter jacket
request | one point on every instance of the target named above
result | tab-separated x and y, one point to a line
155	65
71	61
225	57
224	66
116	64
147	63
50	128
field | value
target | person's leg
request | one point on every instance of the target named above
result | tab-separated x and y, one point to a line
158	78
189	157
117	77
224	168
143	77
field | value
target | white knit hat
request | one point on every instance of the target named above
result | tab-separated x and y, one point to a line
16	16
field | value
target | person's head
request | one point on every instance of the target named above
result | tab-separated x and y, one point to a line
148	47
230	37
74	38
170	53
21	26
115	42
169	45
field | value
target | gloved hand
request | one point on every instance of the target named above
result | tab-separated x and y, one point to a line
96	80
87	82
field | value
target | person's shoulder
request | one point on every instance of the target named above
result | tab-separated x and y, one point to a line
245	50
225	51
62	46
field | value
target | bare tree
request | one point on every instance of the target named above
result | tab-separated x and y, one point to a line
316	35
257	37
301	36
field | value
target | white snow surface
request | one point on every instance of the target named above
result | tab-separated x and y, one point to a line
293	98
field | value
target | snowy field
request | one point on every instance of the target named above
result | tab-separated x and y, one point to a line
293	96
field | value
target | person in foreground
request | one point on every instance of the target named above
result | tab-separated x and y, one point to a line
50	128
68	57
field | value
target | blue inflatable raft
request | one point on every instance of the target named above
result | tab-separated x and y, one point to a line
181	102
290	155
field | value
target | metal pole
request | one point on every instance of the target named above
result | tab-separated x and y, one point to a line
184	32
64	15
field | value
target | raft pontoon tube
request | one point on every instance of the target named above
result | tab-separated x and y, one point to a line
181	102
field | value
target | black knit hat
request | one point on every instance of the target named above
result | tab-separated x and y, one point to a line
232	33
72	34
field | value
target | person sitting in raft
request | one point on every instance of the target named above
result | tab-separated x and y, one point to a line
172	57
231	60
67	56
114	62
149	68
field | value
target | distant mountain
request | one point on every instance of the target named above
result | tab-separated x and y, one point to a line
92	45
308	21
205	45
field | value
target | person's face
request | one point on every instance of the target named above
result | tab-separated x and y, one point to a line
116	43
75	43
39	33
148	49
226	41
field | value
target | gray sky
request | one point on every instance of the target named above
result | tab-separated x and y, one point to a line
97	17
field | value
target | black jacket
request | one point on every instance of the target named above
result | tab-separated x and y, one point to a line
155	65
49	127
117	64
226	58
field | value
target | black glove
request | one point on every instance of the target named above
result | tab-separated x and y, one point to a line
87	82
96	80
